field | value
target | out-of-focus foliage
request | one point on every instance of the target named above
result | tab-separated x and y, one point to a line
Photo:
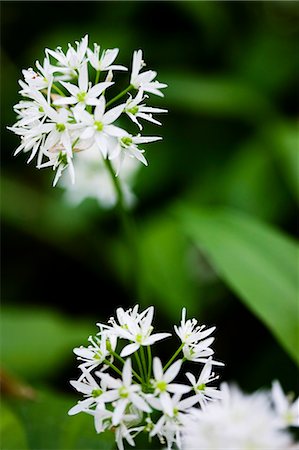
216	211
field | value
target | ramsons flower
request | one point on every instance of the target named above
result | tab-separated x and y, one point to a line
123	392
145	80
67	107
238	421
127	390
136	330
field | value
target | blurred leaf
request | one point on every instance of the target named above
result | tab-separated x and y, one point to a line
35	343
256	261
12	434
285	142
48	425
217	96
164	263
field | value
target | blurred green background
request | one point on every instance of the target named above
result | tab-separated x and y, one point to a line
216	211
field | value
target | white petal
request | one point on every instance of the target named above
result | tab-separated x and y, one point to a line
119	410
127	373
113	114
140	403
166	403
129	349
83	77
96	90
157	368
172	371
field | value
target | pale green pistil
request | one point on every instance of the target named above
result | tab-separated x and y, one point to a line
81	96
133	110
60	127
96	392
139	338
123	392
126	141
98	355
99	126
200	387
161	385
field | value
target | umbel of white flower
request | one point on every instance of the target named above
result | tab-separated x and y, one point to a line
129	390
243	421
67	109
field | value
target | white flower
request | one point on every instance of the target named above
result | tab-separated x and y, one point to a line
134	110
83	94
238	421
127	145
136	329
96	353
104	62
195	339
92	393
72	60
204	393
59	160
144	80
189	332
163	386
98	126
287	412
123	392
55	134
169	427
123	432
102	417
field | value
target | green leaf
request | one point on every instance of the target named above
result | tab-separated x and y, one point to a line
216	96
256	261
35	343
12	434
166	278
49	427
284	140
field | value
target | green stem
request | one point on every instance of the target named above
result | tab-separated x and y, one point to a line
57	89
123	362
129	228
149	359
139	365
173	356
113	366
121	94
97	77
143	362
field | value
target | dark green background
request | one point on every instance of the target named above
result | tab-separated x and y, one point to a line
232	98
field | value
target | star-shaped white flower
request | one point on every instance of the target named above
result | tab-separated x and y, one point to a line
204	393
98	126
83	94
144	80
123	392
91	390
163	386
134	110
72	60
137	330
104	62
96	353
127	146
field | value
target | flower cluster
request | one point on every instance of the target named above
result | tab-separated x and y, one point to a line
67	112
143	395
241	421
